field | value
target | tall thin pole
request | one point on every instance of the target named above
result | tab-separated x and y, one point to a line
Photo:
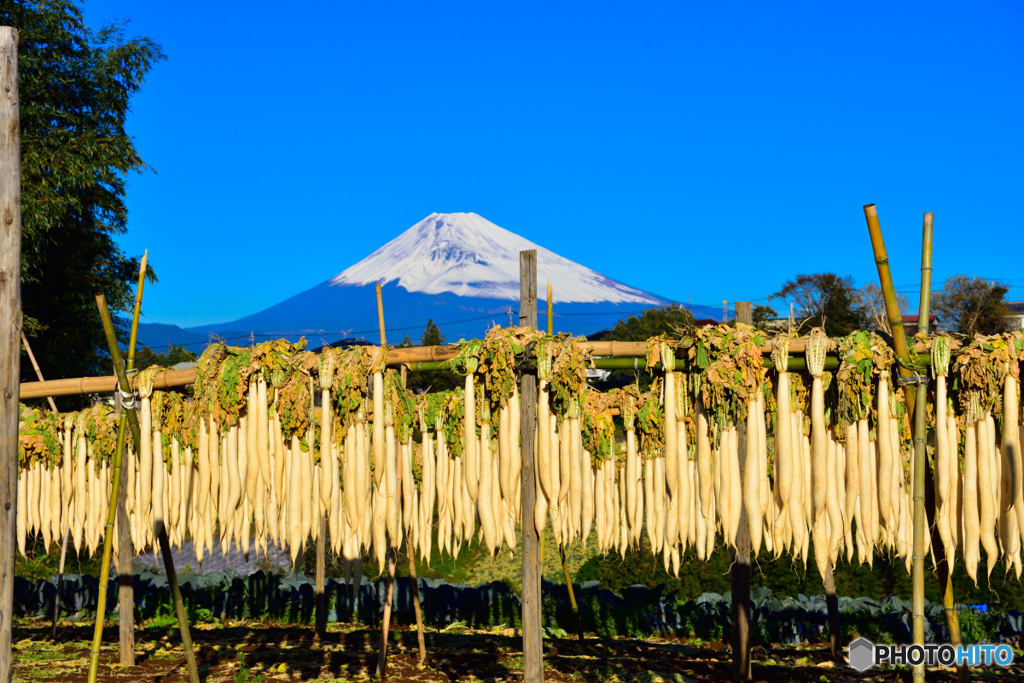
533	643
920	435
126	575
10	332
382	660
128	411
741	668
892	307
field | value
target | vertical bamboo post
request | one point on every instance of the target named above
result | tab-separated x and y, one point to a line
920	436
533	643
892	308
741	669
10	331
128	411
108	545
382	661
126	574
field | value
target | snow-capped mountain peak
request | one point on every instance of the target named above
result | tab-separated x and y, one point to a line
467	255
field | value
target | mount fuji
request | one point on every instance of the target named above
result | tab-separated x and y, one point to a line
458	269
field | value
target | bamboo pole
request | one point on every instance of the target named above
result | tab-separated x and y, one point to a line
10	330
741	667
920	436
382	661
112	506
128	411
607	355
892	308
533	642
101	602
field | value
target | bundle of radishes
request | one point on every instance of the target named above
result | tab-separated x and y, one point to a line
276	438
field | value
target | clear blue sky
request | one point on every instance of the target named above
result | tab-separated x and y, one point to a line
710	150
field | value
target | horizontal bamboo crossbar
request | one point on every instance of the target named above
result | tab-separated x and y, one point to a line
612	355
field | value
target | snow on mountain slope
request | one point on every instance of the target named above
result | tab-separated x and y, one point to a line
467	255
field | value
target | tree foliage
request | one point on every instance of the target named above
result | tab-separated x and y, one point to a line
145	357
824	300
972	305
434	381
75	88
654	322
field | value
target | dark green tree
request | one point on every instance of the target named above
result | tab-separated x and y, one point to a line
824	300
654	322
761	314
434	381
145	357
972	306
75	86
432	335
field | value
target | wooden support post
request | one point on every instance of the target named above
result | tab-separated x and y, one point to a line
745	312
10	332
832	607
416	599
533	642
741	669
125	576
125	551
392	553
920	437
321	570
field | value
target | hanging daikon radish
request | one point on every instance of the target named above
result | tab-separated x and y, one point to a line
293	455
21	513
264	430
630	472
649	500
704	473
485	497
468	362
940	368
986	499
751	484
684	508
1010	448
144	385
252	469
576	471
557	483
233	485
67	471
544	449
516	454
668	362
325	377
956	499
589	505
886	457
832	501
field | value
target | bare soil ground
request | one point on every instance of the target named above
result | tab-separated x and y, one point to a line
265	653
